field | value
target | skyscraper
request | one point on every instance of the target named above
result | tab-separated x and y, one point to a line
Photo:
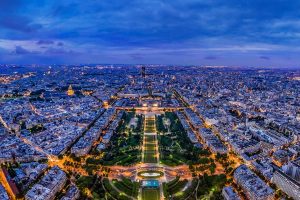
143	72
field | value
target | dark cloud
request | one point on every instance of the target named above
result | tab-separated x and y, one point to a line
58	51
19	50
60	44
6	5
136	56
210	58
18	23
175	29
264	57
45	42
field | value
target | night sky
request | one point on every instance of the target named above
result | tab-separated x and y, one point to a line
187	32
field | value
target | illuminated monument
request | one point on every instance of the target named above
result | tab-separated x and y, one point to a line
70	91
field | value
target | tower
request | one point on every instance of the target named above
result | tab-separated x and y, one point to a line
143	72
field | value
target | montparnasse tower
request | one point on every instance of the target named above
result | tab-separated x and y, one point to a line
70	91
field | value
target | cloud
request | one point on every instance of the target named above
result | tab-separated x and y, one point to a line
45	42
19	50
60	44
264	57
18	23
136	56
8	5
160	30
210	58
58	51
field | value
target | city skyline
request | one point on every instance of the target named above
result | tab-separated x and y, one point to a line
231	33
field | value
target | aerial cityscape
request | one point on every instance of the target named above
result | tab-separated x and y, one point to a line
149	132
149	100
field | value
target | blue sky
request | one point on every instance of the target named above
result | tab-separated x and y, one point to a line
198	32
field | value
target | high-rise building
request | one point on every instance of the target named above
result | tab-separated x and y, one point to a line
143	72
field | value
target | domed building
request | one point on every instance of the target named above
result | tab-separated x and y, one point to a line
70	91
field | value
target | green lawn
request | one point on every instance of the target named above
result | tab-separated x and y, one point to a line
149	129
150	149
150	194
150	122
150	126
150	138
150	157
127	186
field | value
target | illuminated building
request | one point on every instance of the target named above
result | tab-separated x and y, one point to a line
70	91
287	178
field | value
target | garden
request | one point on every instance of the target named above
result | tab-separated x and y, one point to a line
202	187
174	187
125	145
175	146
127	186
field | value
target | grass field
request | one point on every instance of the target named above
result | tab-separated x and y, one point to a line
150	157
150	122
150	149
150	125
149	130
150	194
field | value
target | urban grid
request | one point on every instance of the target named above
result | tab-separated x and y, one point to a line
149	132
